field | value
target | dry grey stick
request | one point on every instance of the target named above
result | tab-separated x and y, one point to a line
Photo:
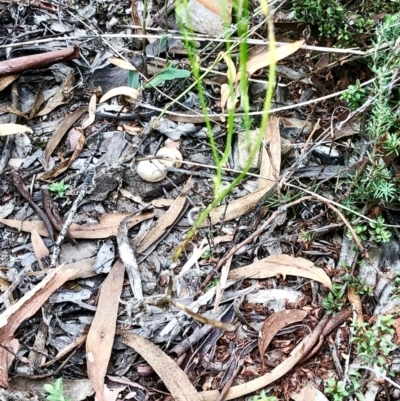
128	258
86	184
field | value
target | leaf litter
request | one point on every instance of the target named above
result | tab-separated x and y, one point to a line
121	335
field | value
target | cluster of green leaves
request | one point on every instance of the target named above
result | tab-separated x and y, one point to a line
332	17
340	392
358	284
334	301
56	391
355	96
59	188
377	182
396	286
375	342
375	229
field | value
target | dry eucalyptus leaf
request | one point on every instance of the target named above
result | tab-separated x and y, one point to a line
283	265
265	58
102	330
165	222
92	110
276	322
242	389
126	65
31	302
12	129
107	226
61	130
121	90
39	247
243	205
66	163
169	372
62	96
7	80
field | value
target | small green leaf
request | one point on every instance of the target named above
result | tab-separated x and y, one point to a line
166	75
133	79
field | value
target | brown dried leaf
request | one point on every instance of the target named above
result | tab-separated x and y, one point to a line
39	248
132	130
107	226
61	130
265	58
276	322
268	168
92	109
169	372
12	129
31	302
126	65
283	265
8	80
135	17
164	223
102	330
355	300
66	163
62	96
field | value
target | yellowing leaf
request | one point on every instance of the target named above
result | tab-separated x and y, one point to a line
92	109
169	372
11	129
121	90
264	59
126	65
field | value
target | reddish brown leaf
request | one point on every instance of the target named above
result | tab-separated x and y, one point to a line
276	322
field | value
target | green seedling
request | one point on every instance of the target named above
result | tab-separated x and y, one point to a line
355	96
336	389
334	301
59	188
374	343
358	284
167	74
378	229
340	392
264	397
56	391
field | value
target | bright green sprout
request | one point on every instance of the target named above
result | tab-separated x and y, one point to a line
59	188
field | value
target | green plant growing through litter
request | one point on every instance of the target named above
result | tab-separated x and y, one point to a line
374	343
59	188
355	96
339	391
241	8
264	397
56	391
396	286
376	182
359	284
334	300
